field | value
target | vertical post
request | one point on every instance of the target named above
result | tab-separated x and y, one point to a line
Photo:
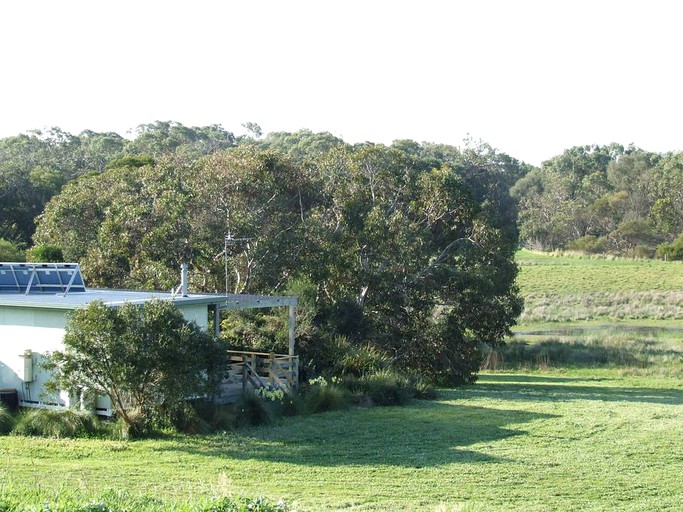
183	278
292	326
271	369
244	373
216	322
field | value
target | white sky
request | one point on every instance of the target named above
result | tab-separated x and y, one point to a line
531	78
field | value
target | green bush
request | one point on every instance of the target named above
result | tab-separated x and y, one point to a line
322	396
422	388
671	252
293	405
253	410
386	387
10	252
52	423
362	360
45	253
6	420
589	244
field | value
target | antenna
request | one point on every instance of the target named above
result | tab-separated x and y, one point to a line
229	240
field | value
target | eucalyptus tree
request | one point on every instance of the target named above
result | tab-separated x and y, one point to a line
399	248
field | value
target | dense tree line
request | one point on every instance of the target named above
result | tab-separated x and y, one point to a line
604	199
35	166
408	247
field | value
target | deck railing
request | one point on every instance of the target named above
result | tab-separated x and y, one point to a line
252	370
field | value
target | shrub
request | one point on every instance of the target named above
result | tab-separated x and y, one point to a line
6	420
673	251
51	423
422	388
186	419
589	244
362	360
146	355
45	253
10	252
322	396
293	405
386	387
253	410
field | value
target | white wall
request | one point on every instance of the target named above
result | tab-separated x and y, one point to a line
38	330
41	330
195	313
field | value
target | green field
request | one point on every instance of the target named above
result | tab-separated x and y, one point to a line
592	420
561	288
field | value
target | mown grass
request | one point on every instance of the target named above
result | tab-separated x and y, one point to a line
557	440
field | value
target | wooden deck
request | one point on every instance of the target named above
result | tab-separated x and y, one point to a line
251	370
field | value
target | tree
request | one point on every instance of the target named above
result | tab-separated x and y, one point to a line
10	252
45	253
410	248
145	358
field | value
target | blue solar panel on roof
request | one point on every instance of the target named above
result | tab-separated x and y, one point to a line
31	278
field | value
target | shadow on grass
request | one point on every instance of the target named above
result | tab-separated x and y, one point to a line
552	390
517	378
421	434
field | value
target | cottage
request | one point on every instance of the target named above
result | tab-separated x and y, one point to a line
35	302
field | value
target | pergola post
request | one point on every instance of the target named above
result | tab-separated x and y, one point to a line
292	326
216	322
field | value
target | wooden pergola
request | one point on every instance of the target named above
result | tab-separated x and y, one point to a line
240	302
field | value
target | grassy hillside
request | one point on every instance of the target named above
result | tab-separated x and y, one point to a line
562	288
592	312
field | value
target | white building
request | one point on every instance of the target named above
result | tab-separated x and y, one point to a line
35	302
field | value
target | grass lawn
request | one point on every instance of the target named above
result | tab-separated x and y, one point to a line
560	440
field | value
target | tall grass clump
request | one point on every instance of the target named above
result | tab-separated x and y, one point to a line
254	410
323	396
51	423
386	387
6	420
362	360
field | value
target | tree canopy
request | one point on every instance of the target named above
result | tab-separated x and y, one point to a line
409	247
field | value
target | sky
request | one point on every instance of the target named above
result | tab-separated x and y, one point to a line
531	78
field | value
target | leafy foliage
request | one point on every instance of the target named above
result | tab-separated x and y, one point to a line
45	253
10	252
603	199
393	247
50	423
6	420
144	358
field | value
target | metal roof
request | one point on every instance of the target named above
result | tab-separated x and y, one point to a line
61	286
120	297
